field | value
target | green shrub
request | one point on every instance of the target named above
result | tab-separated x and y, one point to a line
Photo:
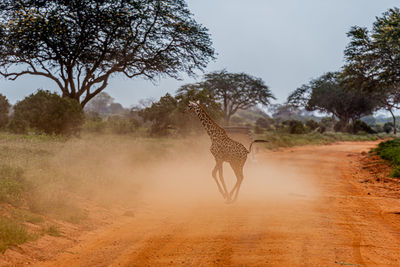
295	127
11	184
22	215
327	122
338	127
312	125
46	112
11	233
396	172
358	126
388	127
377	128
4	110
390	150
321	129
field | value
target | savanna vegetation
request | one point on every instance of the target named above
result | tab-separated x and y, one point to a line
390	150
57	149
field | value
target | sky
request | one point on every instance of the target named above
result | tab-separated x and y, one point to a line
285	42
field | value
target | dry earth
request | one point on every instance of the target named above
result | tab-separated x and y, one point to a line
306	206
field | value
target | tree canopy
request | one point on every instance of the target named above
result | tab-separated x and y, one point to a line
234	90
327	94
373	60
80	44
374	57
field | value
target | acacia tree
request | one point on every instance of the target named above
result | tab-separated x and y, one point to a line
80	44
234	90
327	94
373	60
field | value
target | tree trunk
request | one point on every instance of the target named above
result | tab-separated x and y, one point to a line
394	122
344	121
227	119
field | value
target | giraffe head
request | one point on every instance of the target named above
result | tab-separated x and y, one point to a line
193	106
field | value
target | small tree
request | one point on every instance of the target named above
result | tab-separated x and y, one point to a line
48	113
4	110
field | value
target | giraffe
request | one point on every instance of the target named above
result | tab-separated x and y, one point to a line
224	149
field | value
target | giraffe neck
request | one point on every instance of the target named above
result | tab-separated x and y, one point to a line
213	129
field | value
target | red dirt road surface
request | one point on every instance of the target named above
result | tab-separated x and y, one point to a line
306	206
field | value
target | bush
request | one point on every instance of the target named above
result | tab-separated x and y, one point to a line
4	110
338	127
322	129
295	127
312	125
327	122
390	150
388	127
396	172
47	112
377	128
358	126
11	233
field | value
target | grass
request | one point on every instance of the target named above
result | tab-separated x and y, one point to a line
56	206
23	215
11	184
279	139
390	150
51	230
12	233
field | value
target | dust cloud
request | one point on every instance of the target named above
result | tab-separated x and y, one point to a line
173	173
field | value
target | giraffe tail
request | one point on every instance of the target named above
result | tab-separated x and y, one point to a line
257	141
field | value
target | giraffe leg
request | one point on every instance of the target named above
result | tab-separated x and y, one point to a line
214	175
221	177
238	169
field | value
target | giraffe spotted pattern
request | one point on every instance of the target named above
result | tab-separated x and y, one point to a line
224	149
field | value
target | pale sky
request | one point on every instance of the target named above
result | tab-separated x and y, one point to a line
284	42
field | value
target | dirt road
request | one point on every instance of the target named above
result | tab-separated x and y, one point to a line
298	207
